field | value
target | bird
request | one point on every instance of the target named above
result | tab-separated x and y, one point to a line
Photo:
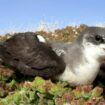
29	55
84	57
77	63
101	75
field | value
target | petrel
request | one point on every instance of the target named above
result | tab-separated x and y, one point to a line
28	54
77	62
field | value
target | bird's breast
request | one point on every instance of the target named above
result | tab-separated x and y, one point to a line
84	73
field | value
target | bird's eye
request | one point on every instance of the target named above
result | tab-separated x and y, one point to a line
99	38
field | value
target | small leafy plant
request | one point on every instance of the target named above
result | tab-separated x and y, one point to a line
44	92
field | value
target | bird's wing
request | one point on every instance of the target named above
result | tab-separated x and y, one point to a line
38	59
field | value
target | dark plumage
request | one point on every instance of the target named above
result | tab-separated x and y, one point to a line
29	56
101	74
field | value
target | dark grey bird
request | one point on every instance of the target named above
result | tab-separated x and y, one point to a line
29	56
78	62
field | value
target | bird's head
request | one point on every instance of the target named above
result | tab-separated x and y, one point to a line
93	41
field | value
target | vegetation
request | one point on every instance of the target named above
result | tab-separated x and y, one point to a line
44	92
69	33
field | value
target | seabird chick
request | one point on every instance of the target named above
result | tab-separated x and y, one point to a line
77	62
